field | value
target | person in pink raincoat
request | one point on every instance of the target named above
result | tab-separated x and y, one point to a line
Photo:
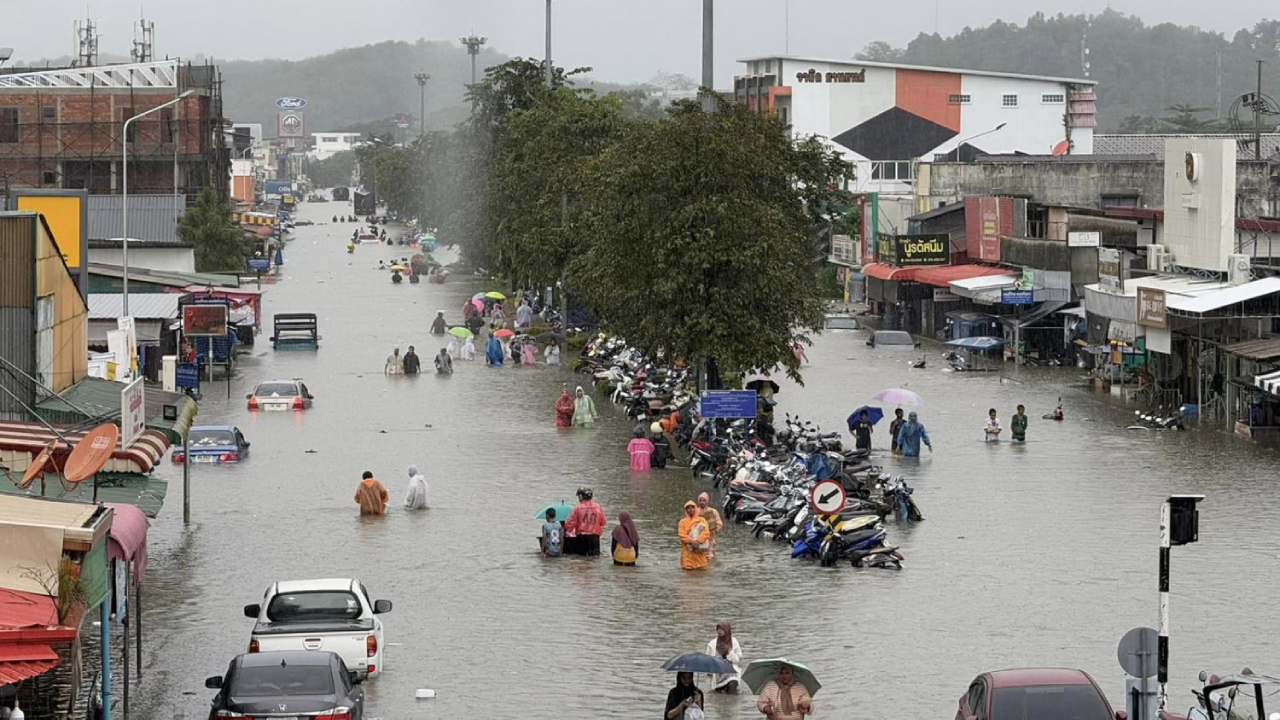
641	449
529	352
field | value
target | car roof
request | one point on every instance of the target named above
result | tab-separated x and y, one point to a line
293	586
288	657
1025	677
227	428
291	381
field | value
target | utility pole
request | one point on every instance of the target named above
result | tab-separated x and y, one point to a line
549	73
422	79
708	54
473	44
1258	105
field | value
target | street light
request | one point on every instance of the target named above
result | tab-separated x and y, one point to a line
422	79
473	44
124	191
549	73
975	137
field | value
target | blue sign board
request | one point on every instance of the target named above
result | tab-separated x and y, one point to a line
291	103
279	187
257	263
187	375
728	404
1017	297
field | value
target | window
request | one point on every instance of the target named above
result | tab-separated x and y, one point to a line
167	125
314	605
50	178
49	113
962	99
891	170
1053	98
1009	100
8	125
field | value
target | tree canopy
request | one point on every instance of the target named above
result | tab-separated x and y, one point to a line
219	244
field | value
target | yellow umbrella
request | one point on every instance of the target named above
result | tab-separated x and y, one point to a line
495	296
397	268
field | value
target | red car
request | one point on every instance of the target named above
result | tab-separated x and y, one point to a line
1035	694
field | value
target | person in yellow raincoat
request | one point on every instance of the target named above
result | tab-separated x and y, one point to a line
695	539
371	495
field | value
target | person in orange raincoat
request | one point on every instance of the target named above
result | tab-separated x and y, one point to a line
371	495
695	539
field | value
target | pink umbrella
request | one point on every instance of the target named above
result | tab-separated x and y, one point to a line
479	305
899	396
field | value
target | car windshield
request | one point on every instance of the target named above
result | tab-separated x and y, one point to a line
893	337
320	605
283	681
283	389
841	322
1048	702
211	438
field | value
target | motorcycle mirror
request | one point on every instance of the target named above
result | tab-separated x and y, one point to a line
1203	676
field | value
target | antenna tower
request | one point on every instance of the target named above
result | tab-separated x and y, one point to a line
144	41
86	43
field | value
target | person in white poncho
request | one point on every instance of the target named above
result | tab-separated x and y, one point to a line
416	497
725	645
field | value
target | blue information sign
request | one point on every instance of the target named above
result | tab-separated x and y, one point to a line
728	404
259	263
187	375
1017	297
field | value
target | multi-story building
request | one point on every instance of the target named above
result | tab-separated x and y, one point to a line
64	128
329	144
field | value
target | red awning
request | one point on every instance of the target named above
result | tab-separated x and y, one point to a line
884	271
127	539
26	660
32	437
943	275
20	609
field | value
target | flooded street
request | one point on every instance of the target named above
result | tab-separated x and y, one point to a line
1042	554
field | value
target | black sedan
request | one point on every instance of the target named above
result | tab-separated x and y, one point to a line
293	683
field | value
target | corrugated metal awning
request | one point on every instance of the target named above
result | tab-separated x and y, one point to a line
20	442
143	306
24	661
1258	349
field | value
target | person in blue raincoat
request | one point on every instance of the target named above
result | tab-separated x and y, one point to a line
910	435
493	352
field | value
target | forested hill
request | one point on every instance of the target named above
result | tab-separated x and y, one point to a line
1142	70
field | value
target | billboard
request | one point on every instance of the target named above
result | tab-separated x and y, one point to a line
291	103
289	124
200	320
133	412
914	250
67	214
279	187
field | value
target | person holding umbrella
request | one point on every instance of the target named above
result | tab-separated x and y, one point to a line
784	689
860	425
682	697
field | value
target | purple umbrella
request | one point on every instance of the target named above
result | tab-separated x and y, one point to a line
899	396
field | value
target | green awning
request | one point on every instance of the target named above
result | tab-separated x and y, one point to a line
100	399
144	491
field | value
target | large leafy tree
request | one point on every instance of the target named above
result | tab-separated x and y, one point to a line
703	229
208	226
333	171
537	180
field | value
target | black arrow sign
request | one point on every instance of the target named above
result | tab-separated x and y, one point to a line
822	499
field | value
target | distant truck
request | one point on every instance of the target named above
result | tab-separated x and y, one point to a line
365	203
331	614
341	193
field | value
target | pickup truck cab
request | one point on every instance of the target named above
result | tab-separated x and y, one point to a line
331	614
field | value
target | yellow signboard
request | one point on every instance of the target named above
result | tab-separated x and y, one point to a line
65	215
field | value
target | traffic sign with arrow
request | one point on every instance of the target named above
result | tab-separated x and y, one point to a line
827	497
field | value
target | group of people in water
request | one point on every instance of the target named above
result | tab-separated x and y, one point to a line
372	497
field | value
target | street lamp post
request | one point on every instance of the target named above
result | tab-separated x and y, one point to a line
708	53
549	73
124	192
473	44
975	137
422	79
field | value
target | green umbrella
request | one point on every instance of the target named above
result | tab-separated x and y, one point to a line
495	295
760	672
460	332
562	511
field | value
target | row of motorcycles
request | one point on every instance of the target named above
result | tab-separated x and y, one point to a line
765	475
1161	418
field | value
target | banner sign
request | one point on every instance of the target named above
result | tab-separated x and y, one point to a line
1084	239
989	239
1017	297
914	250
1110	273
733	404
1152	311
258	263
133	412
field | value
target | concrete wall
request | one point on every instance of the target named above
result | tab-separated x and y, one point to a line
1199	213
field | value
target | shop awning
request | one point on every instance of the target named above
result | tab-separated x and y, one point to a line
1269	382
969	287
943	275
23	661
127	539
1042	311
1258	349
1226	297
146	492
101	398
148	331
884	271
20	442
21	610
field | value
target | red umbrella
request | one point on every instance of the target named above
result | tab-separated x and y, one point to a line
503	333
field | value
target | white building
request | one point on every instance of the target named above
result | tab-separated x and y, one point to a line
329	144
887	117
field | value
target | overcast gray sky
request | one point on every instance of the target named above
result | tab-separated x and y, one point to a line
623	40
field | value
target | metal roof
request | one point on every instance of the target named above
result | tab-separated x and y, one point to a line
927	68
144	306
146	492
156	74
172	278
151	217
1232	295
1259	349
102	399
1154	144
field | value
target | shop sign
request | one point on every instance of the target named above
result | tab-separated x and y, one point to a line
1084	239
1028	279
291	103
915	250
204	320
1152	311
989	241
1110	273
940	295
814	76
1017	297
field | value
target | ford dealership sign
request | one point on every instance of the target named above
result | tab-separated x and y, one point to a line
291	103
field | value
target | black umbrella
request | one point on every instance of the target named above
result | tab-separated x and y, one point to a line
759	383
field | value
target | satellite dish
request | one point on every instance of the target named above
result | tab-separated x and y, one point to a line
37	467
5	53
91	453
1061	148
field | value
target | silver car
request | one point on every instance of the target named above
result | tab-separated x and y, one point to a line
277	395
892	340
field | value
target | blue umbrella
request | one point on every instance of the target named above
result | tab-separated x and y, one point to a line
979	343
873	412
697	662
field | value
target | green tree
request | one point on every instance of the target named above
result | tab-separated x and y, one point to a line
881	51
335	170
703	235
1184	118
208	226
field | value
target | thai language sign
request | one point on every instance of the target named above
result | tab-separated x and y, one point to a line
914	250
1110	272
1152	311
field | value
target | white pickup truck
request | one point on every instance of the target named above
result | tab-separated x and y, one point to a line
331	614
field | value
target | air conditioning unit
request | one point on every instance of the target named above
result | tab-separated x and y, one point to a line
1158	258
1239	269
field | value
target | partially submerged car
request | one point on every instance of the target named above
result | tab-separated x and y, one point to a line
280	395
297	684
892	340
216	444
841	321
1035	694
